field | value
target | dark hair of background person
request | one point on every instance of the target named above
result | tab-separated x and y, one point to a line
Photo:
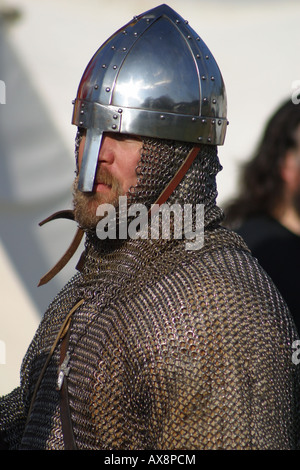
261	185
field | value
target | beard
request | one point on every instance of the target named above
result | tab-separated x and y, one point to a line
86	204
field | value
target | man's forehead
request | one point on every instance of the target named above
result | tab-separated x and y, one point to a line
119	136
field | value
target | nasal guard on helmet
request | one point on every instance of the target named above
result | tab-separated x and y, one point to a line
154	77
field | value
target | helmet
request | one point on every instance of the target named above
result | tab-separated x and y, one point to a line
154	77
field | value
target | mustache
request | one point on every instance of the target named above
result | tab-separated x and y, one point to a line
103	176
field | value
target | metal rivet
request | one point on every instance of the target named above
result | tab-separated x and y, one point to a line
199	138
205	100
124	32
212	78
214	101
209	139
198	39
115	116
162	117
124	49
135	34
120	110
219	122
189	37
82	105
107	89
114	126
194	119
203	121
206	57
104	66
81	123
186	22
81	112
203	77
115	67
213	121
198	56
73	101
177	21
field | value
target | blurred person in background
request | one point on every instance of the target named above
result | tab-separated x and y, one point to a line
266	211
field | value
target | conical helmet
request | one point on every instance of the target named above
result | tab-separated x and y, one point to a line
154	77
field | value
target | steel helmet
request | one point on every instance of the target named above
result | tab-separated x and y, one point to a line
154	77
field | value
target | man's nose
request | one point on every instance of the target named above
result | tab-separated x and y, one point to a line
107	150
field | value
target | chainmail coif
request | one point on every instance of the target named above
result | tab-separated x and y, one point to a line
171	349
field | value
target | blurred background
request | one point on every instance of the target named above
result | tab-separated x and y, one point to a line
44	48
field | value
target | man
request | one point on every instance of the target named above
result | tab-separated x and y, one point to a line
154	344
266	212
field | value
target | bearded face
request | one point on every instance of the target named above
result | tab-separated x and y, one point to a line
85	204
115	175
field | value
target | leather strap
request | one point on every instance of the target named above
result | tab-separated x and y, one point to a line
64	214
68	214
176	179
61	333
66	421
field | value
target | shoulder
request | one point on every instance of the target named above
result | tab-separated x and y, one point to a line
226	279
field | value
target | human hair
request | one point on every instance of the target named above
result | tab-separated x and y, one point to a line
260	183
